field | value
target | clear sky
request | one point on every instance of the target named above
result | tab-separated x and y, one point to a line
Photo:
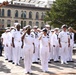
10	0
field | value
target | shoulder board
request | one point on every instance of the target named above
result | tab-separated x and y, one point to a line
32	35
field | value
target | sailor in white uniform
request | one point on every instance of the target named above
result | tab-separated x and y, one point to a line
28	40
9	45
44	50
51	45
58	50
64	43
12	30
4	42
36	41
71	44
16	42
54	45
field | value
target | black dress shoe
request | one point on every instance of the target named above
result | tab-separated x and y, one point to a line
35	62
10	61
13	63
49	62
70	61
6	59
56	61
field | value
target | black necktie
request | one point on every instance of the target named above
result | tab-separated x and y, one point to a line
57	36
71	36
36	34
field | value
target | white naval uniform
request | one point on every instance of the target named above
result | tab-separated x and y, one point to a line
71	46
21	50
54	50
4	37
44	52
64	36
36	41
28	52
9	43
18	43
13	50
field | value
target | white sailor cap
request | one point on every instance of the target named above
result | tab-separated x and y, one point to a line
12	27
28	27
35	27
69	28
56	29
47	26
24	27
8	30
39	29
52	30
64	26
16	24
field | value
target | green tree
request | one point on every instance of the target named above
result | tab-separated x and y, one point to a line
62	12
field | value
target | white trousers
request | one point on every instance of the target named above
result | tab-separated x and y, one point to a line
55	53
6	52
21	53
36	54
64	52
28	54
70	51
17	54
51	53
44	55
13	54
9	53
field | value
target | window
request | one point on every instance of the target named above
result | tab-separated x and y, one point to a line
8	23
37	15
21	24
16	13
2	12
30	15
23	14
2	23
42	25
16	21
37	23
42	15
30	23
9	13
24	23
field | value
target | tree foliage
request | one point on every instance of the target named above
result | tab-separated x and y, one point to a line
62	12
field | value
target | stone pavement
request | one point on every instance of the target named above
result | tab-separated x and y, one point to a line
7	68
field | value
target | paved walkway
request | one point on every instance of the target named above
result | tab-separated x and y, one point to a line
7	68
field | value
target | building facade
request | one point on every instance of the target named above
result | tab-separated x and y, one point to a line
23	14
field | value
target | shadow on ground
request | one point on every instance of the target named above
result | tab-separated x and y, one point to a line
3	68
